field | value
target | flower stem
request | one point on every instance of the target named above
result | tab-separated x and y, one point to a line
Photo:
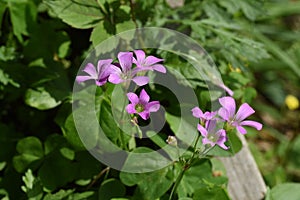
187	165
122	139
178	180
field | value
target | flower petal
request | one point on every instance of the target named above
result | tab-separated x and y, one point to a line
80	79
202	130
125	60
141	80
197	112
133	98
211	126
207	141
144	97
130	108
115	78
244	111
224	114
229	104
229	91
103	66
150	60
153	106
209	115
159	68
90	69
241	129
253	124
145	115
102	82
140	57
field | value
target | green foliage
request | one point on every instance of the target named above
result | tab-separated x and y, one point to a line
284	191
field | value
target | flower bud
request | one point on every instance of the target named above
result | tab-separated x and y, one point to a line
172	140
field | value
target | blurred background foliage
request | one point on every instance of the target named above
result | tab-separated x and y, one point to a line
254	43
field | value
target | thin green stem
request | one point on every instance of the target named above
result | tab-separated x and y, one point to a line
178	180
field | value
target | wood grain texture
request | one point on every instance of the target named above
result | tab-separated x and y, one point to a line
245	179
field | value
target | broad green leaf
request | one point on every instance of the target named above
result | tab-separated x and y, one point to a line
214	193
64	49
111	188
23	15
30	145
194	177
107	122
285	191
2	165
81	127
3	7
56	171
30	149
54	142
77	13
67	153
99	34
182	129
40	99
151	185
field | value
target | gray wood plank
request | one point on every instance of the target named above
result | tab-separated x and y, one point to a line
245	179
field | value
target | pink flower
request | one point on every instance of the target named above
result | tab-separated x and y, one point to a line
124	72
211	135
141	105
148	63
100	75
197	112
227	112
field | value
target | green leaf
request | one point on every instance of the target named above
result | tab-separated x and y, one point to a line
61	194
81	196
285	191
67	153
151	185
54	142
214	193
33	187
183	129
107	122
22	14
5	79
111	188
56	171
193	178
249	94
70	132
30	149
2	10
40	99
99	34
77	13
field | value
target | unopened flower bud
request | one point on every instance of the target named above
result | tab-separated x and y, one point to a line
172	140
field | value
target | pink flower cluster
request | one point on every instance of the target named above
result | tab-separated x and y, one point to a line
126	70
208	126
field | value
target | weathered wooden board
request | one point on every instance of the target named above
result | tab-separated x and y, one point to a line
245	180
